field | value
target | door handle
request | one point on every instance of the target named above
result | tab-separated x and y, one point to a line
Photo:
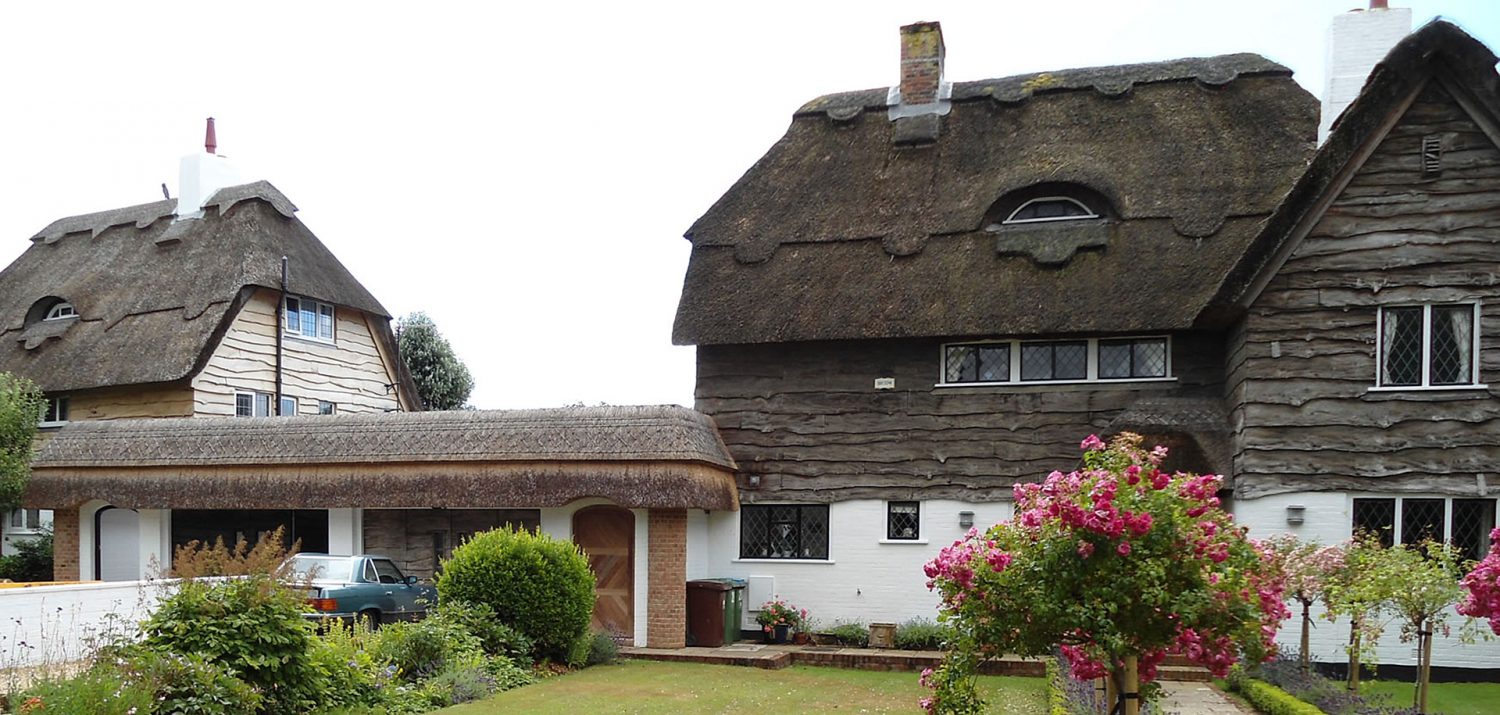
389	593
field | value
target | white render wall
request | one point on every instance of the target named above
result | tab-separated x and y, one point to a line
866	577
1327	520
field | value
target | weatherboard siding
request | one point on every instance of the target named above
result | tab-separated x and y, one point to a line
131	403
806	420
1308	418
351	372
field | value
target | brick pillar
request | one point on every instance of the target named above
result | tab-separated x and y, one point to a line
65	544
666	584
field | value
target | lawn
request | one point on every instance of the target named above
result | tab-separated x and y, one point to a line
1442	698
639	686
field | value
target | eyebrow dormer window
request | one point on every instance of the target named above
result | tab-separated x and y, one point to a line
1050	208
61	311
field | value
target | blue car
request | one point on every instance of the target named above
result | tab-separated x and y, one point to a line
359	588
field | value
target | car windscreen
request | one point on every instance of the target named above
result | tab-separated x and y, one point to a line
321	568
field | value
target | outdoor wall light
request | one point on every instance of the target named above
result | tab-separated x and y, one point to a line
965	519
1294	514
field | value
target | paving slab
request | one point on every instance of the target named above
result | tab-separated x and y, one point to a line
1192	698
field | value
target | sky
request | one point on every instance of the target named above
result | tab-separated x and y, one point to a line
524	172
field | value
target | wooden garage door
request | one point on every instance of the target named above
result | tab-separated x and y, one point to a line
607	535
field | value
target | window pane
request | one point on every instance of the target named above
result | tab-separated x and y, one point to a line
814	532
961	364
1150	358
902	520
293	318
309	320
1036	361
262	404
1473	520
1114	359
1375	516
288	406
994	363
784	531
325	322
325	407
244	405
755	524
1401	346
1452	343
1421	519
1070	361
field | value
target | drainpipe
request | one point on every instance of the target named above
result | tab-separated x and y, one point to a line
280	329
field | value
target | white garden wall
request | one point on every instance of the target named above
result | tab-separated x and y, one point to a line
866	578
52	625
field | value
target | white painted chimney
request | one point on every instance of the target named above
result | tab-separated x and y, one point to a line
1357	41
201	175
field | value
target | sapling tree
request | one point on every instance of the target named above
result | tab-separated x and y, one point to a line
1307	567
1118	564
20	408
1361	591
1426	580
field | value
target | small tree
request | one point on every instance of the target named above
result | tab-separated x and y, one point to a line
1482	584
1118	564
1306	566
20	407
1427	583
1361	591
443	381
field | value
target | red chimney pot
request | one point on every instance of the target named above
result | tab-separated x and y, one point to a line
1379	5
210	142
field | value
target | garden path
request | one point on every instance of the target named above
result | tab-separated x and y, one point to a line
1185	698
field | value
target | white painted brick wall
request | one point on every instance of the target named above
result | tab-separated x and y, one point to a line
1327	520
1357	40
866	578
52	625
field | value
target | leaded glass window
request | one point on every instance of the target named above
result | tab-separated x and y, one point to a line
1124	359
1473	520
977	363
1427	345
308	318
1376	516
1055	361
1421	520
903	520
784	531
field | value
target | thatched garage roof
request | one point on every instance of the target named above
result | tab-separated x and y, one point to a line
845	229
144	284
635	456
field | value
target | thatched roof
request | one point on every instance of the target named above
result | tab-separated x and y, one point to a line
636	456
1438	48
841	232
144	284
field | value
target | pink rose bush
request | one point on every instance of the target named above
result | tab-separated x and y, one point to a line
1482	586
1118	559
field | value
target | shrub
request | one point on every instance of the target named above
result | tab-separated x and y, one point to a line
1327	695
424	648
851	634
32	560
101	690
460	683
191	684
538	584
1266	697
603	651
251	625
495	637
355	677
508	674
197	559
922	634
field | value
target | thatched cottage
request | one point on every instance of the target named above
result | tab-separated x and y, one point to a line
923	294
140	323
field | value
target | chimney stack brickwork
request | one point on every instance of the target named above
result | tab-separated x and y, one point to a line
921	62
1357	41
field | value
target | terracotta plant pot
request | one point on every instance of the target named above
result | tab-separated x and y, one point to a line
801	638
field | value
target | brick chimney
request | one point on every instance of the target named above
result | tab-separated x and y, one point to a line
1357	41
921	63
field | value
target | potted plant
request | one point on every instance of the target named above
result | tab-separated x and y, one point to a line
777	619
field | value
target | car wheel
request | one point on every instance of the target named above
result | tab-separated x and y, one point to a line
370	618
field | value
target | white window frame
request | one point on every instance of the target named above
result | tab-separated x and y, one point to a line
260	403
319	310
1012	220
57	408
327	408
61	311
1398	520
27	526
1091	376
1426	384
288	400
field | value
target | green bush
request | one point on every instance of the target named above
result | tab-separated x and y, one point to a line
922	634
103	689
424	648
32	560
603	650
252	625
461	682
508	674
355	677
495	637
1267	698
191	684
851	634
538	584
